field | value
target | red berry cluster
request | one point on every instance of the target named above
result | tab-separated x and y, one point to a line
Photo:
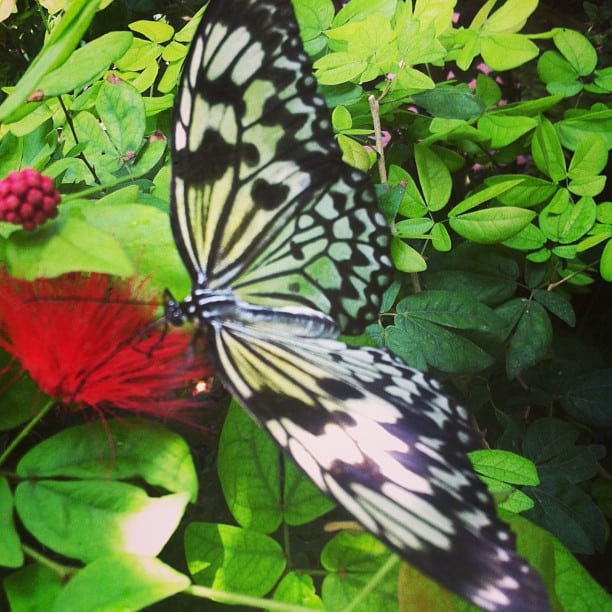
28	198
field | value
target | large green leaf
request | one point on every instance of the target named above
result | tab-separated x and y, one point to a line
231	558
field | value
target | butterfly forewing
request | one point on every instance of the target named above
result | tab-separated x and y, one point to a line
262	201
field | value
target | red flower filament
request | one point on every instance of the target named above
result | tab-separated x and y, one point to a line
84	342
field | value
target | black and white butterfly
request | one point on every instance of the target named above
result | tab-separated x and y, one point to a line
286	248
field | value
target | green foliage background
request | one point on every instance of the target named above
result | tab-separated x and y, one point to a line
501	225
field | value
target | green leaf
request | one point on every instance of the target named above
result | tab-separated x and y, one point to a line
249	469
89	519
298	589
368	39
303	501
85	64
437	346
440	238
540	256
527	192
458	310
505	466
567	251
588	400
507	51
11	554
174	52
95	144
434	176
604	213
492	225
600	233
21	398
389	200
547	152
233	559
33	588
488	90
587	186
139	56
157	31
559	305
413	228
352	560
144	234
95	516
339	67
450	102
148	157
552	68
570	514
503	130
314	17
411	81
567	90
120	582
65	245
574	586
577	50
397	341
549	217
341	118
121	110
590	158
603	78
510	17
581	124
405	258
412	204
63	40
124	449
353	153
605	264
513	500
360	9
530	238
551	444
488	276
576	220
484	195
531	341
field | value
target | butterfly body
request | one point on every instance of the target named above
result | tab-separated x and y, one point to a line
214	307
285	247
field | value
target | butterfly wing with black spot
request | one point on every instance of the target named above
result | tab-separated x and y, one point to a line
384	442
262	201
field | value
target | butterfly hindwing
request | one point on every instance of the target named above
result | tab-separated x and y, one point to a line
262	200
382	441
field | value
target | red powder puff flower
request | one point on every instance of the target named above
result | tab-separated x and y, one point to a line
28	198
84	341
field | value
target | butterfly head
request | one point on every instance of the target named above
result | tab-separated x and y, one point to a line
174	311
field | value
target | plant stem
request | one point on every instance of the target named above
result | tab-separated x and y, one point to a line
246	600
57	568
26	430
380	150
373	583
